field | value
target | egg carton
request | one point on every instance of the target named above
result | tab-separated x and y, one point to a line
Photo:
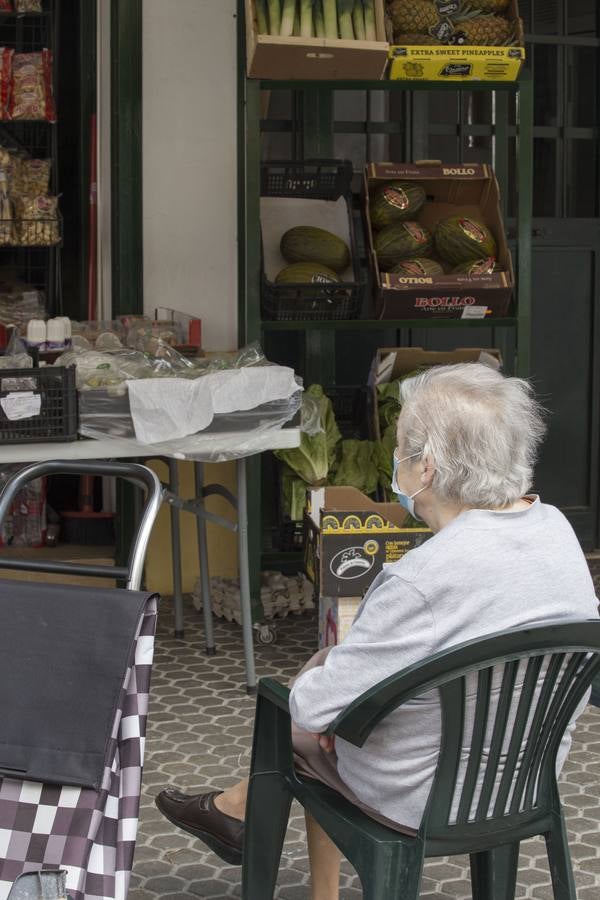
280	596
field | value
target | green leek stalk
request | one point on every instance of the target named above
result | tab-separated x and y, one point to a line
296	31
358	20
306	18
319	20
274	17
288	13
262	21
345	8
370	24
330	19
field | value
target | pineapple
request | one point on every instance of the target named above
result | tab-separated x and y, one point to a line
413	16
409	40
493	31
492	6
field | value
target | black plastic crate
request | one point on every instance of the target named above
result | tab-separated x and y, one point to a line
57	418
350	409
316	180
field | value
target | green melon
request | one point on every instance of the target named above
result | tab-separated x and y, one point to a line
396	202
418	267
308	244
477	267
464	239
307	273
404	240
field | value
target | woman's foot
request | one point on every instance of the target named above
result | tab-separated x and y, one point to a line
198	814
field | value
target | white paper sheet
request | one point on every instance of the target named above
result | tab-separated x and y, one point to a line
165	409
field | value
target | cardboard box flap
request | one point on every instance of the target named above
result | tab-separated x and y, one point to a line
349	499
391	363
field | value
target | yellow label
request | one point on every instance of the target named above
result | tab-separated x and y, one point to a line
448	63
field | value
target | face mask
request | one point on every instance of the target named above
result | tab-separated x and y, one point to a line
405	500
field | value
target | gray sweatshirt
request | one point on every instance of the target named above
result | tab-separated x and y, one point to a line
484	572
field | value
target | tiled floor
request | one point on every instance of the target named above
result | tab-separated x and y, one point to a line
199	736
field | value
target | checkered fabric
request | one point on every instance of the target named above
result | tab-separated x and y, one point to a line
89	833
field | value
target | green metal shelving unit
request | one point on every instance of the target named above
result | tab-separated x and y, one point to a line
317	141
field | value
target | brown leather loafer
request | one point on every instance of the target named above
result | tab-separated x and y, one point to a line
198	815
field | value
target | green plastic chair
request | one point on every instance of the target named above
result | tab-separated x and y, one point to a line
515	802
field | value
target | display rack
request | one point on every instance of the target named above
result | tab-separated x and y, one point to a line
38	266
316	140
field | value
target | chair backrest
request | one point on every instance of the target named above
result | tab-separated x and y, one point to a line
506	701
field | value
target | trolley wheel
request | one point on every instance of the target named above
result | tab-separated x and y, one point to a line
265	633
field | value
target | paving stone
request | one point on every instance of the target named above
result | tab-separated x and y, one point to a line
200	735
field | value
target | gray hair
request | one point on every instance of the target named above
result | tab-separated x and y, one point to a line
481	429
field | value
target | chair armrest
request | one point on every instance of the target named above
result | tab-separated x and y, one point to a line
276	693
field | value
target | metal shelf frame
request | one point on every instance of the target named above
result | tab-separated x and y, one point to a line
318	137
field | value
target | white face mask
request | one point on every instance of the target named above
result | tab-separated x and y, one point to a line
405	500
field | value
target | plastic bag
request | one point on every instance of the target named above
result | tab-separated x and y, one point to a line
7	225
32	96
31	177
6	59
28	6
37	225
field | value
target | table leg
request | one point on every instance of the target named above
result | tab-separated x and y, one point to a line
203	554
176	549
245	601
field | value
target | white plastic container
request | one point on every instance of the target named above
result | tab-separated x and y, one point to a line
55	334
36	334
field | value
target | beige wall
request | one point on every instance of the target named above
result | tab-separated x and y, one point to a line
190	216
190	200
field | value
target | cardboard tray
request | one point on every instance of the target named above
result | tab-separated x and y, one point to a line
459	63
390	363
470	190
299	59
349	538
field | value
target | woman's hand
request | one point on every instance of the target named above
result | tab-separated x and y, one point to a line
325	741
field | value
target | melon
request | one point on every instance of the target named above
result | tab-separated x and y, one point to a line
404	240
477	267
307	273
464	239
418	267
308	244
396	202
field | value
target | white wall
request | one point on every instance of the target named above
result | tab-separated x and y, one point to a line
190	199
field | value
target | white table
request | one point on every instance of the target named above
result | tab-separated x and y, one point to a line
200	446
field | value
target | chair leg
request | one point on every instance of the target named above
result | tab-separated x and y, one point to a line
494	873
559	860
395	876
267	814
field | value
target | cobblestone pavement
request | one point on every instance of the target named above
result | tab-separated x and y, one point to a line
199	736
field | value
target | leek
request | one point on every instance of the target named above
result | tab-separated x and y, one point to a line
345	8
288	12
306	18
330	19
275	16
319	20
296	31
262	21
358	20
370	25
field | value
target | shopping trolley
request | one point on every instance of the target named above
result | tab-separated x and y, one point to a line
71	767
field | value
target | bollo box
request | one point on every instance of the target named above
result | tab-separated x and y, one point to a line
452	190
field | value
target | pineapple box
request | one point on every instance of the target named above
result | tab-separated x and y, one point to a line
279	58
349	538
452	40
436	241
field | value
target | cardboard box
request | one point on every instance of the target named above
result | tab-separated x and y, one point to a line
460	63
284	59
391	363
469	190
349	537
336	615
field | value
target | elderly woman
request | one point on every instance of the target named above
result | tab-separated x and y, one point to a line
498	558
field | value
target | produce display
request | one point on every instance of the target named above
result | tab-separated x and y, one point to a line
474	22
396	202
330	19
305	244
